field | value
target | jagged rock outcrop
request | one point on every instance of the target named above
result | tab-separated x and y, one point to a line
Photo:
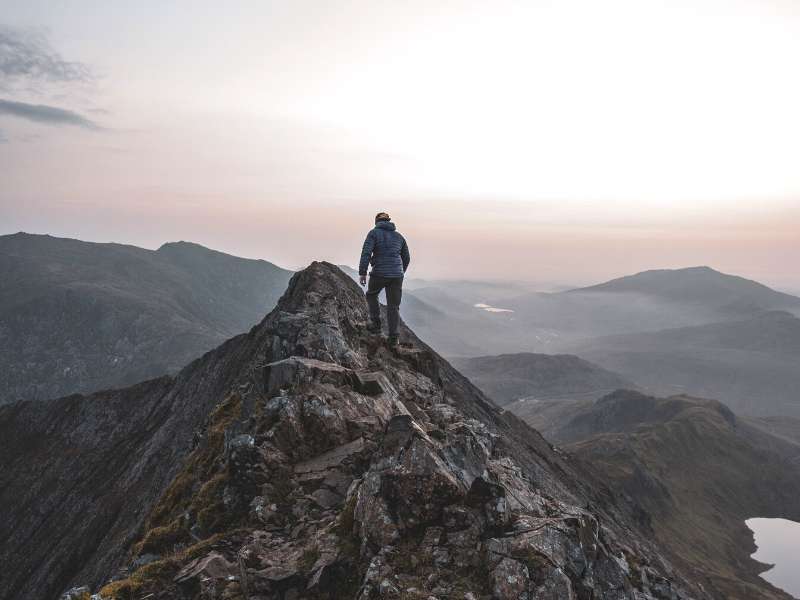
307	459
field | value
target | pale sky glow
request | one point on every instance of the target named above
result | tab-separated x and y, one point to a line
570	140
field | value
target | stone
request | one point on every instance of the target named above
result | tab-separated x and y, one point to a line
491	498
326	499
556	586
374	384
77	593
510	578
211	566
288	373
143	559
330	459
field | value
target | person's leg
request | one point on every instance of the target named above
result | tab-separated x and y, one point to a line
374	288
394	295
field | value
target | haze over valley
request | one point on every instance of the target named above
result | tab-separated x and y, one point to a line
90	316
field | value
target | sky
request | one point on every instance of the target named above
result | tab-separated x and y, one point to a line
568	141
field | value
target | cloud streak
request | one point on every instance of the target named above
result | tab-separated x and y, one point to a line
42	113
26	54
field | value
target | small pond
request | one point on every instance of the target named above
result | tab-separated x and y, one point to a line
778	542
492	309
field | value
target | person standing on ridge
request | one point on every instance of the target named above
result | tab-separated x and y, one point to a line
387	251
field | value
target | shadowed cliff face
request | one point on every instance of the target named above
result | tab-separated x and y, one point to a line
306	459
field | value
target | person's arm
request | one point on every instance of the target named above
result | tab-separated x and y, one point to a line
405	255
366	253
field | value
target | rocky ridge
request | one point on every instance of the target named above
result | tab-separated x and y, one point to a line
306	459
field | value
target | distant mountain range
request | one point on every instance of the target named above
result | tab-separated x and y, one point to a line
648	301
693	331
78	316
699	286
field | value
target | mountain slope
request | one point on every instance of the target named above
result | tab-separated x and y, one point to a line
308	459
697	470
510	377
787	428
752	364
78	316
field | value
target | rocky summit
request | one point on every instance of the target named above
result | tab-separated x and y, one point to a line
308	459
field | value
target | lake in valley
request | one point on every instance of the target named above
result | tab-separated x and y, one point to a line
778	542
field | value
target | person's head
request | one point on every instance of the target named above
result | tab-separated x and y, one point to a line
382	216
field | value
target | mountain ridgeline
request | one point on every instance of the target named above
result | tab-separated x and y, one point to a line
79	317
307	459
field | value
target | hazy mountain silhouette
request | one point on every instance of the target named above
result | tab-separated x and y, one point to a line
78	316
531	377
648	301
700	286
751	364
307	458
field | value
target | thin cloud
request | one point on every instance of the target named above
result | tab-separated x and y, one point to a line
25	54
3	138
42	113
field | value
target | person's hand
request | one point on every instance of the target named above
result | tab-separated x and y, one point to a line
362	279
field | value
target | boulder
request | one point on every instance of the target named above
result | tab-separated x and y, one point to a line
77	593
211	566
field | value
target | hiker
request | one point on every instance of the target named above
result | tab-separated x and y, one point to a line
386	250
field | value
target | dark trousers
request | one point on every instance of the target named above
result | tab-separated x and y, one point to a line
394	294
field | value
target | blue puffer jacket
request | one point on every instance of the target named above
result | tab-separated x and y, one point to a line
386	250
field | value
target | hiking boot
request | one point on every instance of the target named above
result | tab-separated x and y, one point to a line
393	340
374	327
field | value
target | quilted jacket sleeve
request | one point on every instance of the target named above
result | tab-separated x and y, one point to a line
405	255
366	253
